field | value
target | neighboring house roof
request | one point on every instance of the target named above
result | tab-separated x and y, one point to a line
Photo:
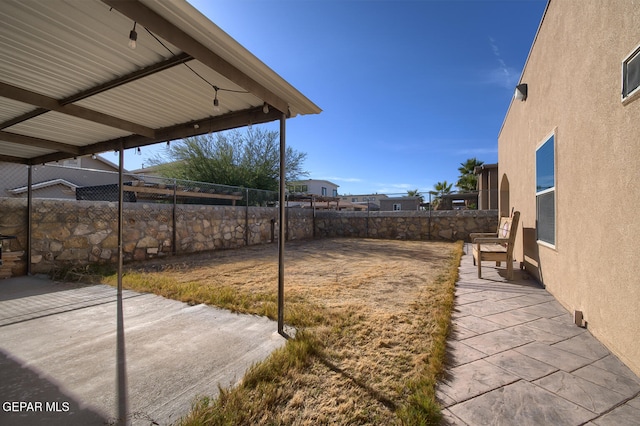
42	185
406	197
364	195
107	162
479	169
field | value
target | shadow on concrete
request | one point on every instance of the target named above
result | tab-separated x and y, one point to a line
62	344
20	287
49	405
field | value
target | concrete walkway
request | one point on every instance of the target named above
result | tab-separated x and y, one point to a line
58	353
516	358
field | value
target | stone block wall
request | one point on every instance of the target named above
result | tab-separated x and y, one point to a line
299	224
84	232
448	225
78	233
13	213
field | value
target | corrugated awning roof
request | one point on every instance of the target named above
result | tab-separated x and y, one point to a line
71	86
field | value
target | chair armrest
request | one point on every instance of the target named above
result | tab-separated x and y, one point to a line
475	235
490	240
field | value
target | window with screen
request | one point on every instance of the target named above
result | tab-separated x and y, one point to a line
546	192
631	74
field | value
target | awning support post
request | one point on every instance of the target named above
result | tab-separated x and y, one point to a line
281	230
29	216
121	373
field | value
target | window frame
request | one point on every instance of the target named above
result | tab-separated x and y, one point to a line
544	191
628	96
397	207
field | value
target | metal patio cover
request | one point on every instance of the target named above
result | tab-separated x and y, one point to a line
70	85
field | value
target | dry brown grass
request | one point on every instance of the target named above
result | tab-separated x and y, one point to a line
371	311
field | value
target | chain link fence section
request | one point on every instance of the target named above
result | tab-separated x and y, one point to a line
74	214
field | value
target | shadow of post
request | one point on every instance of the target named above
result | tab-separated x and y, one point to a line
122	393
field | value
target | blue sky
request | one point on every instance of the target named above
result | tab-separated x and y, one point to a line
409	89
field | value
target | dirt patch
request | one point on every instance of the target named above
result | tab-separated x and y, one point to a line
379	293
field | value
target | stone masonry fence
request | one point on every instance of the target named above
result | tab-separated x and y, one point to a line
79	233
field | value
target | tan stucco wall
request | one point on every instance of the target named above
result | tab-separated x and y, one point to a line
574	89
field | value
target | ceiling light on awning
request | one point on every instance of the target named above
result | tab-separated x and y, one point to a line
133	36
216	103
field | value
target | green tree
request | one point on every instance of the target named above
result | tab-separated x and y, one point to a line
250	159
468	181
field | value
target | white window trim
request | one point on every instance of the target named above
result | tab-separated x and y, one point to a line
554	189
635	93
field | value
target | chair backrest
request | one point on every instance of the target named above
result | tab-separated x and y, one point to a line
508	228
501	225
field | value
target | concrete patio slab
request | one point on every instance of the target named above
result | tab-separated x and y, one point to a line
58	348
534	334
476	324
546	310
473	379
511	318
623	415
556	357
635	402
521	365
521	404
608	380
515	357
497	341
587	394
613	365
585	346
564	330
458	353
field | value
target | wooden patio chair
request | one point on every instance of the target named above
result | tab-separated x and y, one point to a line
496	247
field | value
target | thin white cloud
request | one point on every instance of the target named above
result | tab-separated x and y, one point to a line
393	188
503	75
341	179
476	151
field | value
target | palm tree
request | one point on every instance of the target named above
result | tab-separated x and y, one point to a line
468	181
415	193
441	188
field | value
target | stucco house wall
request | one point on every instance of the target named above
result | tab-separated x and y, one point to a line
573	75
406	203
315	186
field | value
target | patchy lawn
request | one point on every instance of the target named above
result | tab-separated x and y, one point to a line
372	318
